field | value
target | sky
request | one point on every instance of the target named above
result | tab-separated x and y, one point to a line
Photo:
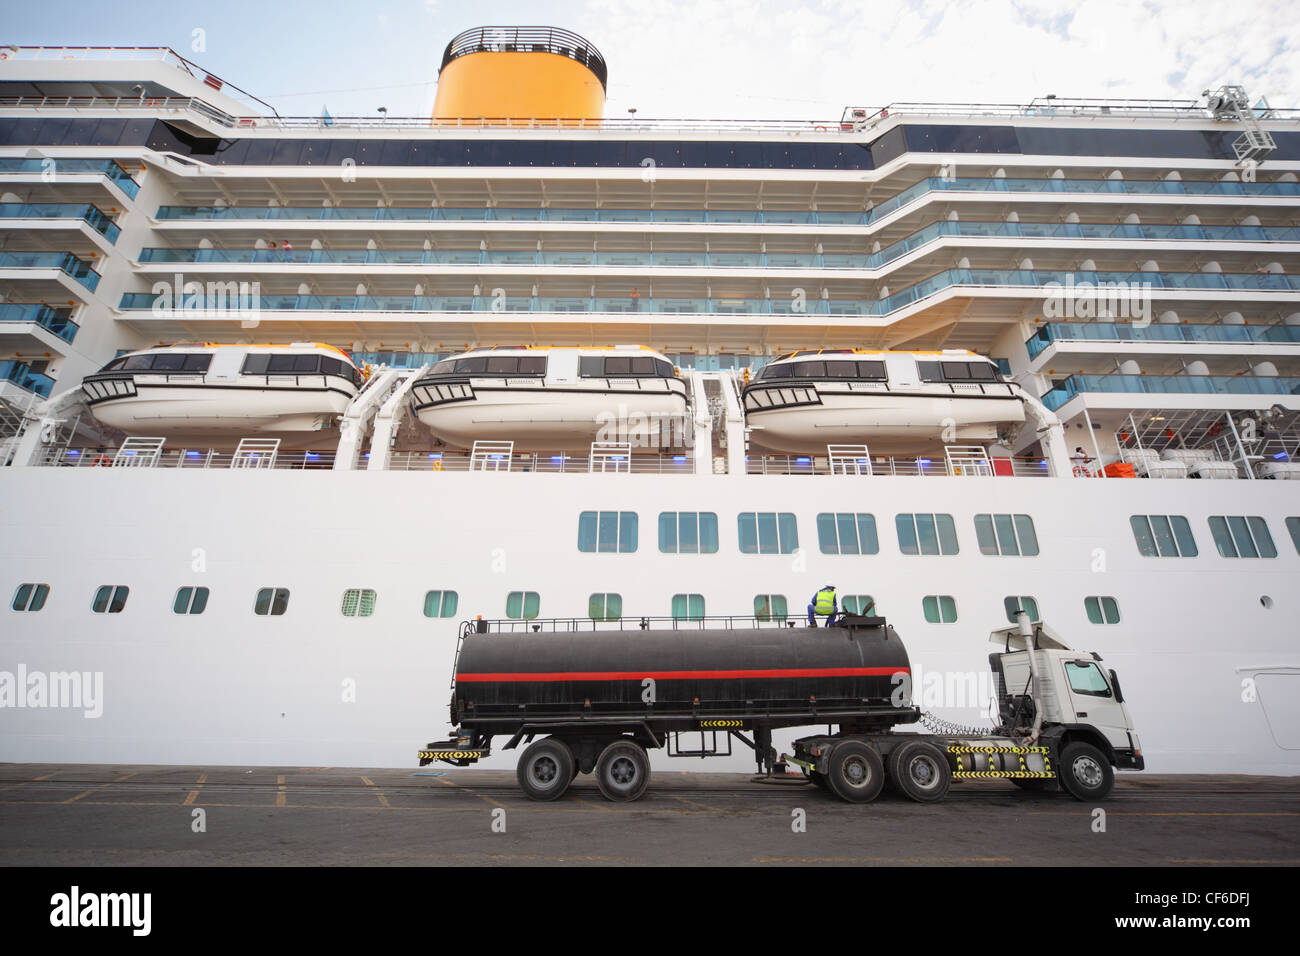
704	59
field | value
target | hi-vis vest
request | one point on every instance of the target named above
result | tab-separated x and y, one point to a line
824	602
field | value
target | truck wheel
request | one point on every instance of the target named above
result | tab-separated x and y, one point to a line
545	770
920	772
855	772
1085	772
623	771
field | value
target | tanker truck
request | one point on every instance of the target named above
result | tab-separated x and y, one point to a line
594	697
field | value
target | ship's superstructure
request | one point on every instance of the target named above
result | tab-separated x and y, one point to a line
936	352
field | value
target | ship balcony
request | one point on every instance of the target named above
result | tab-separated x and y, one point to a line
43	215
1117	391
20	385
1056	340
46	275
33	327
103	176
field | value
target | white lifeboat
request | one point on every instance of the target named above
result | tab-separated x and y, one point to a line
893	402
209	392
551	398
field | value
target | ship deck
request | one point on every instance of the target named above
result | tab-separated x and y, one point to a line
119	815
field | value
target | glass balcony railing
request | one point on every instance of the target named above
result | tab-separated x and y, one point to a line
1136	281
718	260
1171	385
64	261
42	315
49	166
98	220
736	216
22	375
1179	333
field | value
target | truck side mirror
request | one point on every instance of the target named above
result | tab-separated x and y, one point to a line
1114	683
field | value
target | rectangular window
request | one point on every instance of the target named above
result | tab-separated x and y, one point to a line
926	534
522	605
1242	536
767	532
358	602
440	603
607	531
1293	526
770	607
190	601
688	607
271	601
1165	536
1085	678
605	607
688	532
1102	610
847	533
939	608
1006	535
1015	602
859	604
110	599
30	597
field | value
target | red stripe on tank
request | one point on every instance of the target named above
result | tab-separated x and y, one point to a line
545	676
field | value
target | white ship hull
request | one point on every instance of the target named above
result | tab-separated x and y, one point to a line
313	687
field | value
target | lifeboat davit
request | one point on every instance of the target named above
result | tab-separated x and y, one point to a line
892	402
220	393
560	399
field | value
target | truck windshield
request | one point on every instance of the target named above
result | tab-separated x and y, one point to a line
1085	678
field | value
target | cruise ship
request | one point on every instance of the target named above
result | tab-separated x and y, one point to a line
284	399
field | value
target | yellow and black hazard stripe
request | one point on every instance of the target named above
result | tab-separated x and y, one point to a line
722	723
452	754
997	750
1005	774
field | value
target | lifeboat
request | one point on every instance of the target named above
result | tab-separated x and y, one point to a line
210	392
548	398
893	402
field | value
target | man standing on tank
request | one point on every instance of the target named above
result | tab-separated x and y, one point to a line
823	604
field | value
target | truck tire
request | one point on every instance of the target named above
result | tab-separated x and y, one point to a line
920	771
623	771
855	772
1085	773
545	769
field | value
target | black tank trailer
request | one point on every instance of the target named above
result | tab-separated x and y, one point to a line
591	700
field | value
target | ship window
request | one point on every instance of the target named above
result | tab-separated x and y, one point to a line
983	373
271	601
169	362
190	601
770	607
1015	602
522	605
618	366
664	368
440	603
939	608
1085	678
30	597
688	532
116	363
1239	536
197	362
1165	536
532	365
859	604
138	363
849	533
872	371
926	534
1102	610
445	367
591	366
358	602
809	369
255	365
841	369
605	607
110	599
1006	535
508	364
777	371
768	532
607	531
472	365
1293	526
292	364
929	372
955	371
688	607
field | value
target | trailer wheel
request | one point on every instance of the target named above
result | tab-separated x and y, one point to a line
623	771
855	772
545	770
920	772
1085	772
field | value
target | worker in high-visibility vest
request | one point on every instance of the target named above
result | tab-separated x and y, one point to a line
823	604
